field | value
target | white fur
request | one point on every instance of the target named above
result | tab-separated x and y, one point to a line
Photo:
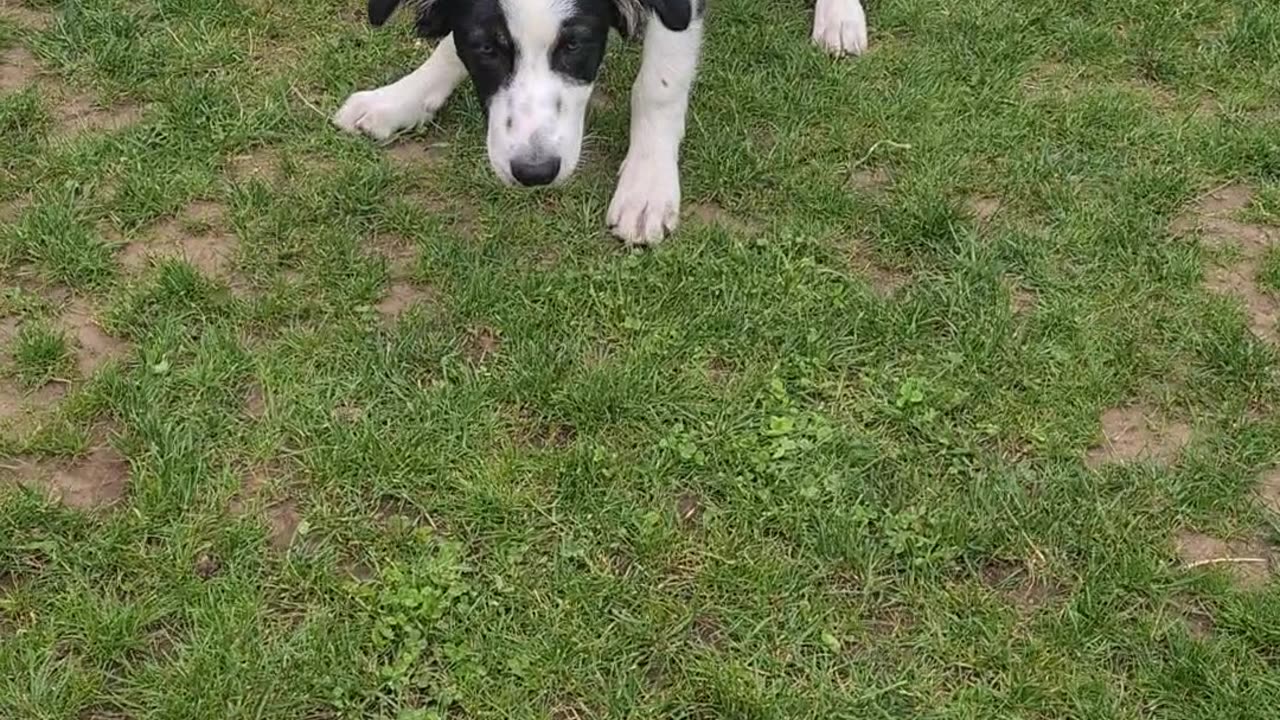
408	102
525	120
646	204
840	27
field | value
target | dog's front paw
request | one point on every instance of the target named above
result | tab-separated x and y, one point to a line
381	114
840	27
646	205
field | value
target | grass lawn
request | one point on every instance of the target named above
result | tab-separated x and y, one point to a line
956	395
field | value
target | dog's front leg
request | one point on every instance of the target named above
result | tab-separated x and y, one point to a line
646	204
408	102
840	26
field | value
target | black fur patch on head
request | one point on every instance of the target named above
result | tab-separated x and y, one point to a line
674	14
433	15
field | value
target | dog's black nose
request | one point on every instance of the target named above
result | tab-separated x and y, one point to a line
537	172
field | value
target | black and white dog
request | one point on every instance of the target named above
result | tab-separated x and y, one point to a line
534	62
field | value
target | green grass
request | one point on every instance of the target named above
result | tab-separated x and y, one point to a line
40	354
730	478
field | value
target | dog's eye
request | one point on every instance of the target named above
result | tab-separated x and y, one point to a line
486	48
571	45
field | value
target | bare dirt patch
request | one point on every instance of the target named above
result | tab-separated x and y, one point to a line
95	347
11	210
870	179
16	403
1248	561
885	281
197	235
482	343
600	99
1262	309
1211	219
983	207
414	155
713	215
399	253
258	164
206	566
1022	301
1137	433
18	68
402	296
95	480
1268	490
26	17
255	402
283	519
528	429
1200	624
688	509
1018	584
282	516
79	113
706	631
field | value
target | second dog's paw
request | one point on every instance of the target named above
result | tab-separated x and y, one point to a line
646	204
380	114
840	27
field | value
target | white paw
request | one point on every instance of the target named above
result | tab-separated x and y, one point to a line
840	27
382	113
646	204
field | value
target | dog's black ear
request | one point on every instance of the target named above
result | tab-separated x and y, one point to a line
674	14
433	20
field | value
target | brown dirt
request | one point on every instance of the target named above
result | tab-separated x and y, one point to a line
601	99
870	179
96	347
11	210
401	296
719	370
885	281
253	482
1199	621
196	235
706	631
98	479
257	164
282	515
1017	583
347	412
207	566
414	155
1022	301
1248	561
713	215
1268	490
15	402
400	254
688	508
482	342
26	17
1135	433
983	207
533	431
569	711
283	519
80	113
1210	219
18	68
1262	309
255	402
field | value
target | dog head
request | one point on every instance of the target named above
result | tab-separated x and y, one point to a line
534	63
